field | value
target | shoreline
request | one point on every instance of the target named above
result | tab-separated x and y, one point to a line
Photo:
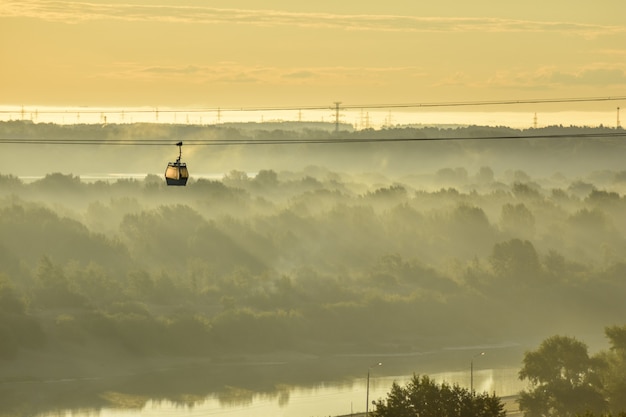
61	361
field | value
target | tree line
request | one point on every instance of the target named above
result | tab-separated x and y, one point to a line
302	261
564	380
398	150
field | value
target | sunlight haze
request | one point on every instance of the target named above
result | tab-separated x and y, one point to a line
312	208
248	53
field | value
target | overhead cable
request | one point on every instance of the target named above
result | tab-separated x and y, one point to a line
297	141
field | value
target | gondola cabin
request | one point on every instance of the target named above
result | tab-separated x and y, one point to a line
176	173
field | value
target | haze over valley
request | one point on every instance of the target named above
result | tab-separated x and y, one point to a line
419	184
312	250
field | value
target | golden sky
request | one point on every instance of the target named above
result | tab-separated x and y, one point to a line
238	53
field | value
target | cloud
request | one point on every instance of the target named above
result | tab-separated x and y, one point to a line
300	74
235	73
592	76
79	12
169	71
617	53
456	79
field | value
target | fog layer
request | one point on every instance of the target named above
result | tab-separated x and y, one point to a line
323	258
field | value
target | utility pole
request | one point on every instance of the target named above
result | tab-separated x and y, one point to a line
535	121
619	125
367	395
472	372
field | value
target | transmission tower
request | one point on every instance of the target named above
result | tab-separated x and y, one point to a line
337	103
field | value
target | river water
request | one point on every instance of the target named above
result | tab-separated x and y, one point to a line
331	385
322	400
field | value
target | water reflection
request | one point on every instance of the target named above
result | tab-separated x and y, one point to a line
322	400
333	385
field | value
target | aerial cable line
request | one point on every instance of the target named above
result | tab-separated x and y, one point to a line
300	141
342	107
484	103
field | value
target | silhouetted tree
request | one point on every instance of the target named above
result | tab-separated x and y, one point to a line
516	259
563	379
614	372
266	178
422	396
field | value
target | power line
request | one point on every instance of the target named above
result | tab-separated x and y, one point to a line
486	103
297	141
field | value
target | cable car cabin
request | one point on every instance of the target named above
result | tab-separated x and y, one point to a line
176	173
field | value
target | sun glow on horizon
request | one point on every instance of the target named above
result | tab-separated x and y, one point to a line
357	119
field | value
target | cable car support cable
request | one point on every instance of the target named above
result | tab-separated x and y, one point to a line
299	141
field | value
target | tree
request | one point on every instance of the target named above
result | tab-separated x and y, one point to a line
266	178
485	175
614	372
10	302
422	396
517	219
516	259
563	379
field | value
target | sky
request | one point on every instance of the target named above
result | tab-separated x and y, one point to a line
244	53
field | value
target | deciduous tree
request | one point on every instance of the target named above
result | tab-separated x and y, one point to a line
563	379
422	396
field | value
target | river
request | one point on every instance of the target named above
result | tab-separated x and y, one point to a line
322	400
302	387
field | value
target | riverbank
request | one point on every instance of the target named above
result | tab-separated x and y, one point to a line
93	360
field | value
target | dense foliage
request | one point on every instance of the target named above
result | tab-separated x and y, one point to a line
566	381
309	260
424	397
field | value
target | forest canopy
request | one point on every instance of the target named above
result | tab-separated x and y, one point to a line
312	259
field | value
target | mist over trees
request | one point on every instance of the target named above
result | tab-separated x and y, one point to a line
311	259
453	159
